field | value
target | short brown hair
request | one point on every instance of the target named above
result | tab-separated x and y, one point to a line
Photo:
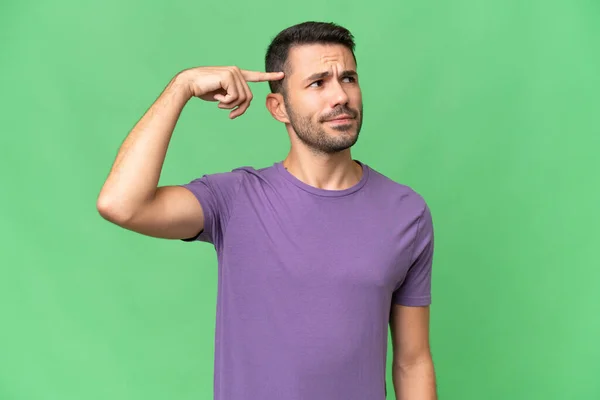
309	32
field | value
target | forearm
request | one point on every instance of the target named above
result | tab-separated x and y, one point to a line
134	176
415	381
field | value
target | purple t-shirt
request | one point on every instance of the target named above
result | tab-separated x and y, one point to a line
306	279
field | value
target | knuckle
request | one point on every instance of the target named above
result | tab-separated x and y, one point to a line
233	70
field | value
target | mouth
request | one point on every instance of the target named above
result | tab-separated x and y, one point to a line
342	119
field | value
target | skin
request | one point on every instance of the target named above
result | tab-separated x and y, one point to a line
130	196
321	84
413	372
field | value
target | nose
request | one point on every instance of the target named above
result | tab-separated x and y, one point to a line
338	95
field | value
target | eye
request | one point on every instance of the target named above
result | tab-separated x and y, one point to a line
350	79
319	82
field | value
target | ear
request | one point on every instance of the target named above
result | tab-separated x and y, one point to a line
276	107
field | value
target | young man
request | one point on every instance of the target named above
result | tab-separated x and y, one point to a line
317	253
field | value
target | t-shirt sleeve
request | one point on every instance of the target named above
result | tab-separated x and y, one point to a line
415	290
216	193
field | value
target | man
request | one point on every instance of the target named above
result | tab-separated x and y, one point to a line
317	253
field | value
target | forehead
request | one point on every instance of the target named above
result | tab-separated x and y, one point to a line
304	60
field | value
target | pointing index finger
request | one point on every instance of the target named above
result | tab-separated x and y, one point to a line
255	76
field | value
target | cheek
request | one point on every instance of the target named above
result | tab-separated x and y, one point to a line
357	95
313	110
309	106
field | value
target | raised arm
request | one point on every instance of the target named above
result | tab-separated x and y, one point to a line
130	196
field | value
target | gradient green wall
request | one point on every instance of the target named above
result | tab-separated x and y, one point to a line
487	108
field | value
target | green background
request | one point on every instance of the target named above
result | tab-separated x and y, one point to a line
488	108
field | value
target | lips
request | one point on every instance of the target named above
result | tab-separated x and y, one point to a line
341	118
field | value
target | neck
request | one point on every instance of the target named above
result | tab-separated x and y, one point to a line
324	171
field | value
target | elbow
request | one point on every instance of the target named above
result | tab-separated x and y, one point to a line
424	360
110	209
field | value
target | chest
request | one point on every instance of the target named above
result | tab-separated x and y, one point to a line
348	242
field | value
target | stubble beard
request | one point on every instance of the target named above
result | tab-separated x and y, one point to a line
315	137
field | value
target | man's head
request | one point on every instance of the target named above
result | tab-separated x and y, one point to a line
320	85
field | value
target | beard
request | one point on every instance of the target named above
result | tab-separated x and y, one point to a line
314	136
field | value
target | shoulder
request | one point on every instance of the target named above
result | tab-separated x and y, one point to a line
405	204
396	191
251	172
234	177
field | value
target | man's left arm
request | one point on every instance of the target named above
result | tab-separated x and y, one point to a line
413	372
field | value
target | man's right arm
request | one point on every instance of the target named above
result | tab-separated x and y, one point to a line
130	196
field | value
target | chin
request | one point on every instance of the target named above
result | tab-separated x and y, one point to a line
345	142
348	129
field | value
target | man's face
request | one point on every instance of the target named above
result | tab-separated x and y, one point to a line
323	98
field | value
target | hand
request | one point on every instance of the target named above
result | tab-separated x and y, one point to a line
227	85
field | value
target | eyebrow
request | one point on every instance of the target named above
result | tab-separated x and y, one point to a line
325	74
